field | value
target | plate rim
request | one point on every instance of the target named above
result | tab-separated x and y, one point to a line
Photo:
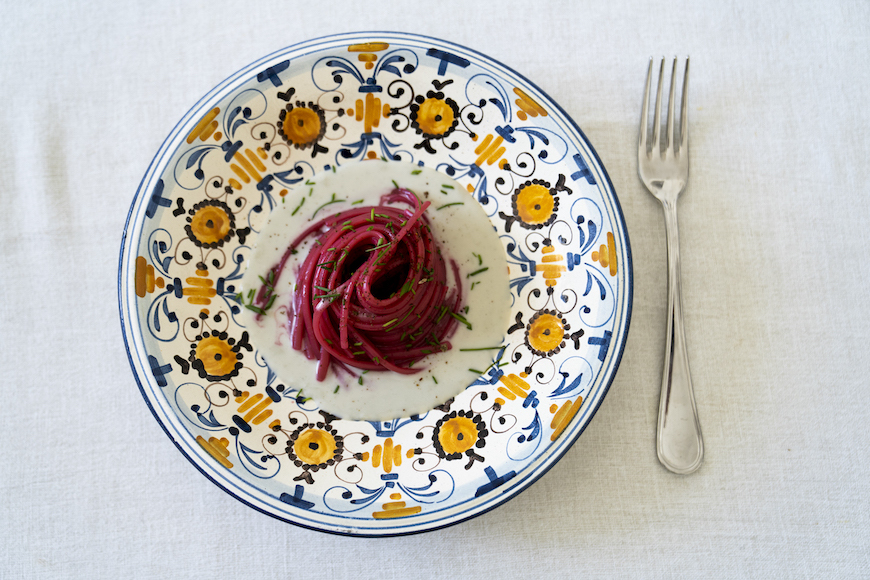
550	459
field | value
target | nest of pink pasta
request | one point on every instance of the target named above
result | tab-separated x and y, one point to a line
373	292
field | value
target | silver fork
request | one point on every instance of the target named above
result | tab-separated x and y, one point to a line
664	172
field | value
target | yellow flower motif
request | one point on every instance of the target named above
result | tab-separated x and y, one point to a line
216	356
460	433
545	333
302	125
435	117
457	435
315	446
210	224
535	204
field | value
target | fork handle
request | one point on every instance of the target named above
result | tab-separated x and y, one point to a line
679	445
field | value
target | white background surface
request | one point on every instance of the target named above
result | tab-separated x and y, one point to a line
775	242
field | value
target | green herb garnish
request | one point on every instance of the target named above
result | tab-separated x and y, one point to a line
476	272
459	318
331	201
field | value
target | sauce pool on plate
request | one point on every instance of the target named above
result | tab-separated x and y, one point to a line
465	236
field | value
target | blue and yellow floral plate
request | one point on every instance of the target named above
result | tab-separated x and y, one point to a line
338	100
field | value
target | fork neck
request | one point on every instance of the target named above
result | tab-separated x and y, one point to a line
670	191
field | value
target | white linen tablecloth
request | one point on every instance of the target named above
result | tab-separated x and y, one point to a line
775	240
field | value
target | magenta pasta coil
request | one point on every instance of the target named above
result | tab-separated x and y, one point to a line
373	291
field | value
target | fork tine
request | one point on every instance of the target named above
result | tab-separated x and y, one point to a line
669	144
657	127
644	113
684	112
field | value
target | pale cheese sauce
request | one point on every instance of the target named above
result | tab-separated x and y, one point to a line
464	234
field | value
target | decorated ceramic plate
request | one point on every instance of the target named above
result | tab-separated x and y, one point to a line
255	145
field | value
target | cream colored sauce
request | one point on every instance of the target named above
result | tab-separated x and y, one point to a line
460	230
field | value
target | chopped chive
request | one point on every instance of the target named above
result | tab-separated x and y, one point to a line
476	272
434	379
446	186
396	185
309	182
479	258
328	296
357	202
406	316
381	245
310	191
393	321
298	207
331	201
336	389
359	380
256	309
322	288
482	348
473	284
459	318
417	172
475	371
449	204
